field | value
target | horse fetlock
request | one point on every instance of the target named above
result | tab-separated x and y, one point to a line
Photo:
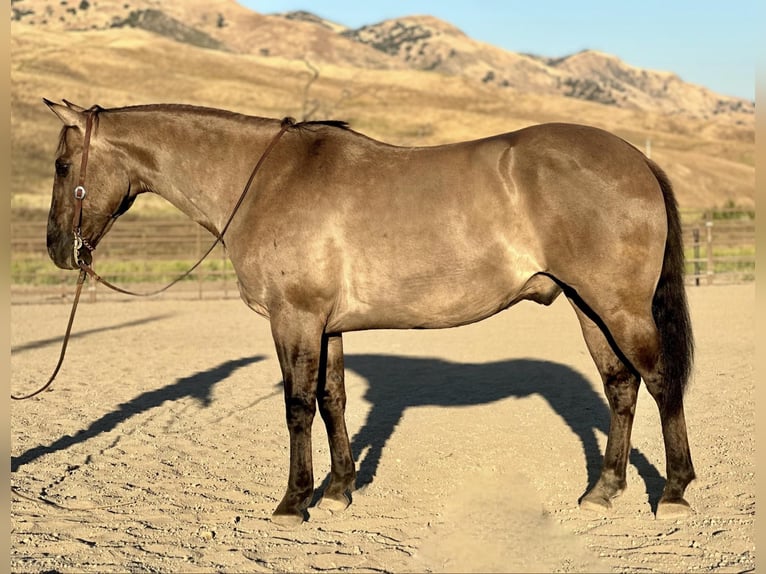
343	482
292	507
676	485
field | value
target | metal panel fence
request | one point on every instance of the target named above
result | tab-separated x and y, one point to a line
144	254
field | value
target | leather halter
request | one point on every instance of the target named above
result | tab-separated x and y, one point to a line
80	193
79	241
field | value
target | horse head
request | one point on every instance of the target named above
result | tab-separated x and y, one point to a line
87	167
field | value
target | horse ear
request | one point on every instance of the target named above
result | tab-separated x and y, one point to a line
73	106
70	117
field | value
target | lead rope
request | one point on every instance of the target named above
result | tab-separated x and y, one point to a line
87	270
80	281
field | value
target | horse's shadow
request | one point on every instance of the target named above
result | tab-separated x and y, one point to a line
396	383
83	333
198	386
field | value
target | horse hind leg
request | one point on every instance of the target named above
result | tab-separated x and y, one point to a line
331	395
635	338
621	388
678	461
680	471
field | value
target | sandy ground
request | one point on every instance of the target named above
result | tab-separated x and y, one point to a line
162	447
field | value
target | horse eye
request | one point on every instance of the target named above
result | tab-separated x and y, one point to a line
62	168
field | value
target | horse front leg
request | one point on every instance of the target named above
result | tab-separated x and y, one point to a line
331	395
298	339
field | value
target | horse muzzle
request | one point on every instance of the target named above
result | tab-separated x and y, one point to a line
61	249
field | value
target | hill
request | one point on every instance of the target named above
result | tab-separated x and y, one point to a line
427	43
415	42
390	81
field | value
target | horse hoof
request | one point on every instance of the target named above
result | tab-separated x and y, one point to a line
596	505
287	520
673	510
334	504
592	502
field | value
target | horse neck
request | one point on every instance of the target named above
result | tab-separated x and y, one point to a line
199	162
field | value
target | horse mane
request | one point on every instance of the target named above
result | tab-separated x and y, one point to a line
340	124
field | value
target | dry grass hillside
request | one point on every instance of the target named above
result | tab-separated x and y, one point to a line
217	53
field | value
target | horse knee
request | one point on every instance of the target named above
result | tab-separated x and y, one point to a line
300	411
332	401
332	396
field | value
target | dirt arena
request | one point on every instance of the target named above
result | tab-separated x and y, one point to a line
163	448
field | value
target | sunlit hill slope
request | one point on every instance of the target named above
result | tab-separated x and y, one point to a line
408	81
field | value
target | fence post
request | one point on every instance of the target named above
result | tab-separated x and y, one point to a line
224	274
92	289
709	246
696	236
199	269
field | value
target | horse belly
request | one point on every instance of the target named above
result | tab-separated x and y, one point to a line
432	299
448	253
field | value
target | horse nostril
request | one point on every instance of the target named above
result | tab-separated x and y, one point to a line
59	248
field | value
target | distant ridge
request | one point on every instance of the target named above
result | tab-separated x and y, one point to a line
426	43
414	42
426	83
160	23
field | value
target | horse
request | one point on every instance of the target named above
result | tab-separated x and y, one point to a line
340	232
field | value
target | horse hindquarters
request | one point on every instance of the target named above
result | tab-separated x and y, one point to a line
632	336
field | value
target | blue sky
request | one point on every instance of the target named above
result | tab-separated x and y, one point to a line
711	43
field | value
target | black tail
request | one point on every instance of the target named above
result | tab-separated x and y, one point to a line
669	307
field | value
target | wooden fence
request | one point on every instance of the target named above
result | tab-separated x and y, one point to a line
142	254
720	246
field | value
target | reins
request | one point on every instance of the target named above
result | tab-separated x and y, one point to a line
80	242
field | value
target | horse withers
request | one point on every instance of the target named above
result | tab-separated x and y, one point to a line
339	232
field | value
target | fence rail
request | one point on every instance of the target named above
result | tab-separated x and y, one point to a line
720	246
143	254
139	255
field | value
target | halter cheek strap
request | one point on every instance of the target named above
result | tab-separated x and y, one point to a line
80	193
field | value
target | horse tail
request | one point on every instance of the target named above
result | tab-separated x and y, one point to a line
669	306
